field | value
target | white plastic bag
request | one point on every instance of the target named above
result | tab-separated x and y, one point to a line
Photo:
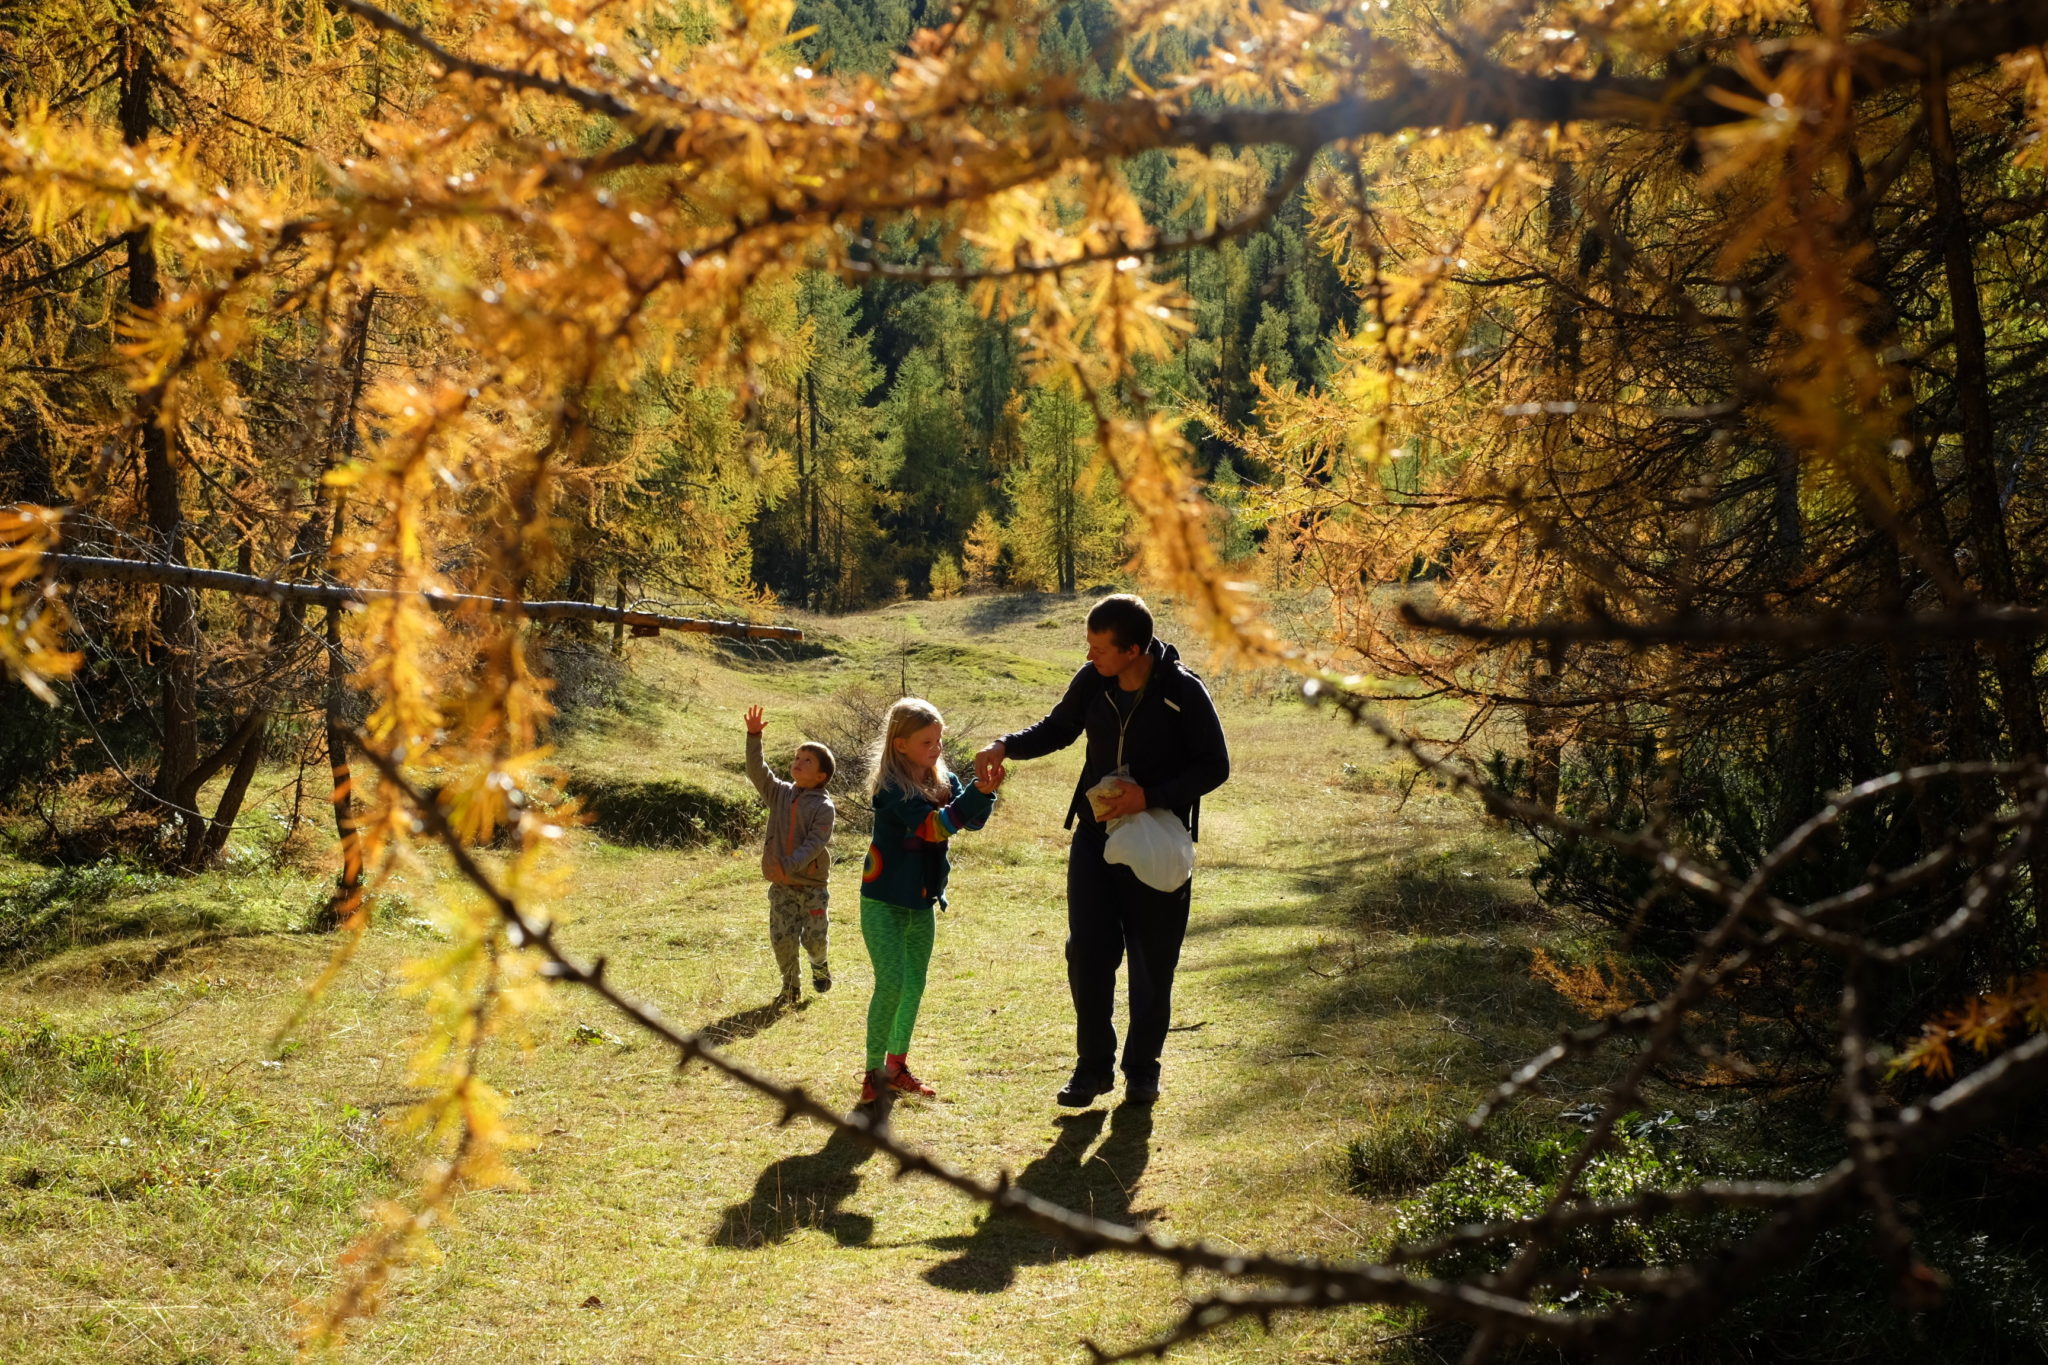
1155	845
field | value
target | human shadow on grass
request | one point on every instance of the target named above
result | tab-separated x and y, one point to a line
1099	1184
804	1191
745	1023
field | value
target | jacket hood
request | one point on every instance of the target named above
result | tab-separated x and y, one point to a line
1164	657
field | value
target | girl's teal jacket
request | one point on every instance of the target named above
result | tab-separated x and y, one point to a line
907	863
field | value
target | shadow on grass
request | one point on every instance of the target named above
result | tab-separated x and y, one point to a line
745	1023
1007	609
1442	1008
1100	1184
137	922
800	1192
1467	886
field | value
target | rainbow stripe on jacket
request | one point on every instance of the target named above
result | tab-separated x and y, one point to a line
907	862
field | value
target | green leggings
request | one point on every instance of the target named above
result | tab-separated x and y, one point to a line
900	945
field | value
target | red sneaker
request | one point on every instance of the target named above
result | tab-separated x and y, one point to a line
911	1085
868	1093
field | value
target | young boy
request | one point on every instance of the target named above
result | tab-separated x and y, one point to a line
795	856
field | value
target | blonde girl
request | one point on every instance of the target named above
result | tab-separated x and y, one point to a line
919	806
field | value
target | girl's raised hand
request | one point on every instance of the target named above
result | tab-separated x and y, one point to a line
990	778
757	721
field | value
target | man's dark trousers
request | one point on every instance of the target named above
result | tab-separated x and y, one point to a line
1111	915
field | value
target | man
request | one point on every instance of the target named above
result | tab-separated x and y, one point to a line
1142	710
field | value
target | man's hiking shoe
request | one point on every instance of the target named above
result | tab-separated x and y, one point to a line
1141	1092
792	994
821	979
1080	1090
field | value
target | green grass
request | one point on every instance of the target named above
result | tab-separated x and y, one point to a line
145	1209
1343	976
121	923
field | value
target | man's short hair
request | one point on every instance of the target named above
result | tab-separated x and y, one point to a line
819	752
1125	617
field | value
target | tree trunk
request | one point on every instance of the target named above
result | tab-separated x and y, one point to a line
230	808
809	474
1074	462
347	900
348	885
177	617
2019	699
1540	730
1909	727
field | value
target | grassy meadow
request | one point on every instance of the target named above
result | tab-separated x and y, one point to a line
172	1185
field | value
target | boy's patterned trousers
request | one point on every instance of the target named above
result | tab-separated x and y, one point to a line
796	914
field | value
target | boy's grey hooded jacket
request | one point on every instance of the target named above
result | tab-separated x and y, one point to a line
795	851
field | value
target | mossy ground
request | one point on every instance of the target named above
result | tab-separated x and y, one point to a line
1357	957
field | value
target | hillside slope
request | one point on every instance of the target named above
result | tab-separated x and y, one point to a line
1355	962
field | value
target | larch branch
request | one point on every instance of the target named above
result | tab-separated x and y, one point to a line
342	594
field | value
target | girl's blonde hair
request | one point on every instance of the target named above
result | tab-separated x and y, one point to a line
906	717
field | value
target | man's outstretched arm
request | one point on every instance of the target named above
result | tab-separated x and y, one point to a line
1061	727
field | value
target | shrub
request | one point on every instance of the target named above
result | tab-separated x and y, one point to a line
49	909
849	723
666	812
586	678
1486	1189
1478	1189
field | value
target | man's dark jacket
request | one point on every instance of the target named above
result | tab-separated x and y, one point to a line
1173	742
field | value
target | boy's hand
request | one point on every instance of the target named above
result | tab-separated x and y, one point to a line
756	721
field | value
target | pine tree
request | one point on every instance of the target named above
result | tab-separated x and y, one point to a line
812	539
981	558
935	475
1068	525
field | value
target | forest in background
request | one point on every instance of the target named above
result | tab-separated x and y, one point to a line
887	438
1665	389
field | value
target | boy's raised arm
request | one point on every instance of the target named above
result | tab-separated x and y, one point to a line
765	782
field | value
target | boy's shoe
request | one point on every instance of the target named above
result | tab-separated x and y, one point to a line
1141	1092
1081	1089
792	994
869	1091
821	979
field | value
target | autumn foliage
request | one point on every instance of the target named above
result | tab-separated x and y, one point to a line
1663	384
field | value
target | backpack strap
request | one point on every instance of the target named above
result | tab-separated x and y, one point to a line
1182	671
